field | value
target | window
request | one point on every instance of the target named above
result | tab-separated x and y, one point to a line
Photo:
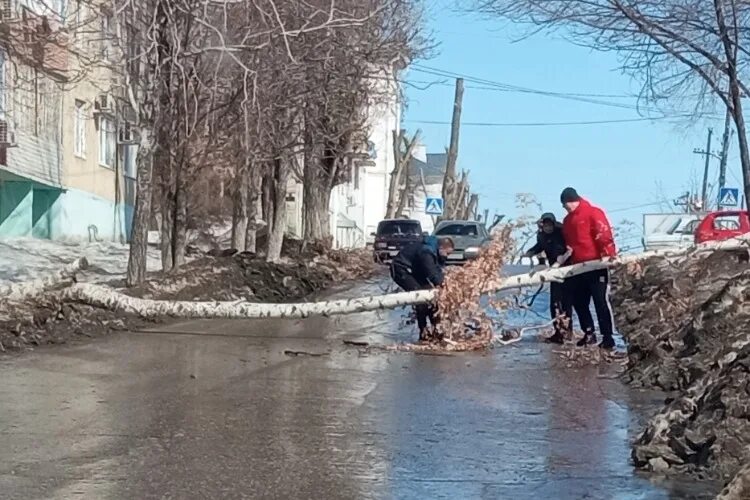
107	142
79	130
399	227
458	230
691	227
727	223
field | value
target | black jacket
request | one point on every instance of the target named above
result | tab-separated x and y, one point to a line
422	261
552	244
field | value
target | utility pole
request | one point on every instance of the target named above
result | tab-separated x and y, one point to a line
725	150
707	153
450	196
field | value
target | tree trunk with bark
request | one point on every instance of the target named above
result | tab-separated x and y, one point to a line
166	228
471	208
137	258
180	220
253	213
315	201
240	210
276	236
267	200
399	187
102	296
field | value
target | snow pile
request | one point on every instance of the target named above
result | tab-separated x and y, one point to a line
26	259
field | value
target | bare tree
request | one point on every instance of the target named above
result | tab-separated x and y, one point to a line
399	189
245	93
677	48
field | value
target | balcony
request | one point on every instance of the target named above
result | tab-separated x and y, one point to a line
36	40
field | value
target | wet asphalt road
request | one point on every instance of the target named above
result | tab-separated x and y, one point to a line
218	410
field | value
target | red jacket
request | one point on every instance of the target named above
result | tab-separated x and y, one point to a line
588	233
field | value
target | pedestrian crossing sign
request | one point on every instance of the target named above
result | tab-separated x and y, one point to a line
729	197
433	206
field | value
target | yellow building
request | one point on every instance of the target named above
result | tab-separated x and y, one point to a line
66	166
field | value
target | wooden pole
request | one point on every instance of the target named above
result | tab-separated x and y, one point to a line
449	180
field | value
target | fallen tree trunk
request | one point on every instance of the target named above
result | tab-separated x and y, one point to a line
101	296
104	297
65	276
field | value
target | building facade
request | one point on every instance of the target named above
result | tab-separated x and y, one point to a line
356	207
65	172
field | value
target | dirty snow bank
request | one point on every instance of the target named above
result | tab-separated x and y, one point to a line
49	319
687	324
26	259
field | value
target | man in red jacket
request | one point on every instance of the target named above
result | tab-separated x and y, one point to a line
588	234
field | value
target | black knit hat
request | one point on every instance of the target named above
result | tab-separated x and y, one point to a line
569	195
548	216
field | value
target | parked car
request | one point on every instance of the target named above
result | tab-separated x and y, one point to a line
468	237
719	226
663	231
392	235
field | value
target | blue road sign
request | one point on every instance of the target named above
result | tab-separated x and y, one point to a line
729	197
433	206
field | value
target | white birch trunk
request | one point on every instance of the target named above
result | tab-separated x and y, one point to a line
65	276
105	297
101	296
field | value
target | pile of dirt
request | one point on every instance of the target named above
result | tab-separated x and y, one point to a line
687	325
660	306
48	319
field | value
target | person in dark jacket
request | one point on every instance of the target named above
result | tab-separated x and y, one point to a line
420	267
551	243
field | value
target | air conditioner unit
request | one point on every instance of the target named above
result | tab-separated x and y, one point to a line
7	137
104	105
6	10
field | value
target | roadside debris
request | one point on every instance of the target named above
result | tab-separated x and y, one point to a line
691	336
49	319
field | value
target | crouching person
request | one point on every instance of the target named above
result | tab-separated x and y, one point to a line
420	267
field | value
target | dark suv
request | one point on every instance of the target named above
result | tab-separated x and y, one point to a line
394	234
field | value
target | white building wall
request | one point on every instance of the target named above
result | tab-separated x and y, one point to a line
356	207
364	201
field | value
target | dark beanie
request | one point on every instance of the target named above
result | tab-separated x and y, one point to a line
569	195
548	216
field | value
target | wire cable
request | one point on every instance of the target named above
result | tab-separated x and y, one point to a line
547	124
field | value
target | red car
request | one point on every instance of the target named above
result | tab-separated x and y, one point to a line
719	226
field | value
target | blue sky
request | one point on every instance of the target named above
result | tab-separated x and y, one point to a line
620	167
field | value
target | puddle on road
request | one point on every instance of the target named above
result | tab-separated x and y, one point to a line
515	422
230	416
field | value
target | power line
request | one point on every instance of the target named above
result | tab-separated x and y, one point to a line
545	124
499	89
625	209
515	88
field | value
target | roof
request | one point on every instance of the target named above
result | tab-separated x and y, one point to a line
433	169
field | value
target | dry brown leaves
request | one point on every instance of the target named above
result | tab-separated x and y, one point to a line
465	323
